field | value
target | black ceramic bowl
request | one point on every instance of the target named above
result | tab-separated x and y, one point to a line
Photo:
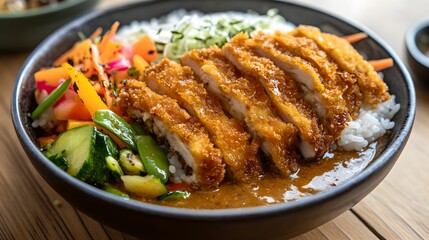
417	43
159	222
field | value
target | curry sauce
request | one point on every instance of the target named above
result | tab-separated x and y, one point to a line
334	168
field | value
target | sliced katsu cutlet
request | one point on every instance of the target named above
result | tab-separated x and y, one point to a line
373	88
185	134
339	82
238	149
246	100
318	81
283	92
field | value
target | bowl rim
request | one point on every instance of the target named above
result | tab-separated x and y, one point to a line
217	214
411	41
50	8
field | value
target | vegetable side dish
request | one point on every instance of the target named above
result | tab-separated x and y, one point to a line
253	117
21	5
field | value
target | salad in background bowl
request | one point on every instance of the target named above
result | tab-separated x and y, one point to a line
25	28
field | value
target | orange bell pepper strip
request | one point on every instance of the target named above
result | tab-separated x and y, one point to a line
43	141
85	90
51	76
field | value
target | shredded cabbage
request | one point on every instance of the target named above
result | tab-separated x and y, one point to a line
181	31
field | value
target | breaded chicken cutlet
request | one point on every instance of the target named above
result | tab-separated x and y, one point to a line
238	149
289	94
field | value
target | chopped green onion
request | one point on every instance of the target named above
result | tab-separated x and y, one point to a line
133	72
51	99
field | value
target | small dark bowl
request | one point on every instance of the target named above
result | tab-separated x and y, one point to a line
23	30
159	222
417	43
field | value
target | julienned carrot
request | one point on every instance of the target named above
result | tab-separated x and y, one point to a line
84	89
106	38
105	81
96	33
74	123
97	86
111	52
146	48
78	52
355	37
96	62
381	64
51	76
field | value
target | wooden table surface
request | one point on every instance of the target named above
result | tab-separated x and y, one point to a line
397	209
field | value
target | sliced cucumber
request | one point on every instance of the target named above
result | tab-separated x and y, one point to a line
114	167
130	162
85	149
147	186
58	160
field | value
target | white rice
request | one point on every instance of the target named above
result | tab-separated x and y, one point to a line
368	126
47	119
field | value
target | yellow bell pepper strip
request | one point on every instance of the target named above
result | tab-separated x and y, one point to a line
51	99
75	123
139	63
85	90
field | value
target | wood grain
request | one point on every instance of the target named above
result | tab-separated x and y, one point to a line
397	209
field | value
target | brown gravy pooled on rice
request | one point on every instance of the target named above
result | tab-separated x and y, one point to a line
333	169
